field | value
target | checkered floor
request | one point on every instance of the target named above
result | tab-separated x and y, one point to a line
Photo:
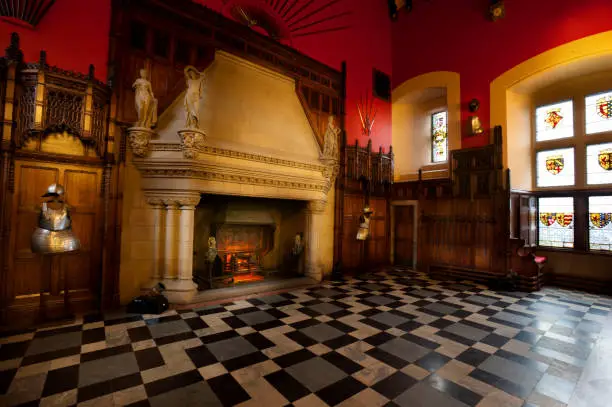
387	339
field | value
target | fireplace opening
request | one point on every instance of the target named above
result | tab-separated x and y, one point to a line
254	240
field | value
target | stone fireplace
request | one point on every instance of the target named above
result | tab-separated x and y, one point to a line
253	175
254	238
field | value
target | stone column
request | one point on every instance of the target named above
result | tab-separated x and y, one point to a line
178	249
170	243
158	218
185	240
314	224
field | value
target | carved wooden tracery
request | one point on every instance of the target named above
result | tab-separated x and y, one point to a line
51	100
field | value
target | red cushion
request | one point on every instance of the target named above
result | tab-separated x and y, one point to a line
540	259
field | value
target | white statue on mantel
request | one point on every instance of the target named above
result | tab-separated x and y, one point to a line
193	96
146	104
330	141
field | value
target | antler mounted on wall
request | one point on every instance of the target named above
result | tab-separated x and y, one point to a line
29	12
367	114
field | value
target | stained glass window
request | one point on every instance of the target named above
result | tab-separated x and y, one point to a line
556	222
598	115
600	223
599	164
439	137
555	121
555	167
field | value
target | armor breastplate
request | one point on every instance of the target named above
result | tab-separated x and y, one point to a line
54	234
54	219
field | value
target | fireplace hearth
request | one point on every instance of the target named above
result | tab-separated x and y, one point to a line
253	237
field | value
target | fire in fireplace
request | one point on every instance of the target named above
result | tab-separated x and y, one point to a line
254	238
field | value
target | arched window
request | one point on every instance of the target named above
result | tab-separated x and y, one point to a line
573	171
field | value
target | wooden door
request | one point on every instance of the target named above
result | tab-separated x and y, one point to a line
405	239
352	249
28	276
379	237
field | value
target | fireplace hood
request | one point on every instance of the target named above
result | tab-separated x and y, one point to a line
243	214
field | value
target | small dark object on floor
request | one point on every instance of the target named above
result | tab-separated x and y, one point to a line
152	303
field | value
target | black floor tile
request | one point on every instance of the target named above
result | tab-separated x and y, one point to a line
300	338
387	358
104	353
172	382
286	385
100	389
13	350
473	357
93	335
201	356
379	338
495	340
138	334
259	341
244	361
394	385
196	323
340	391
451	388
345	364
421	341
433	361
294	358
6	377
149	358
61	380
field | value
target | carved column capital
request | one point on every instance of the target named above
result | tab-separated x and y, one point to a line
317	206
155	202
186	200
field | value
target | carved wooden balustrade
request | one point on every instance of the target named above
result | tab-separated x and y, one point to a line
51	100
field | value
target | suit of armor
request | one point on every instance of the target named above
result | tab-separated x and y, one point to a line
54	232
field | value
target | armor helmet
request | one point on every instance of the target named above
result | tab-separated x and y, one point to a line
367	209
54	190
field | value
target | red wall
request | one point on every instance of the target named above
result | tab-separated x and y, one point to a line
75	34
451	35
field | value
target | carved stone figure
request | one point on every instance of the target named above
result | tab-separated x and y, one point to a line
54	232
364	224
146	104
212	249
330	142
193	96
298	246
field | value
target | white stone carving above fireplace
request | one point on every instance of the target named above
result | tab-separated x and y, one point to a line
253	140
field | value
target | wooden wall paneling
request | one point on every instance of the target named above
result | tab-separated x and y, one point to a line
58	133
352	250
28	275
404	237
